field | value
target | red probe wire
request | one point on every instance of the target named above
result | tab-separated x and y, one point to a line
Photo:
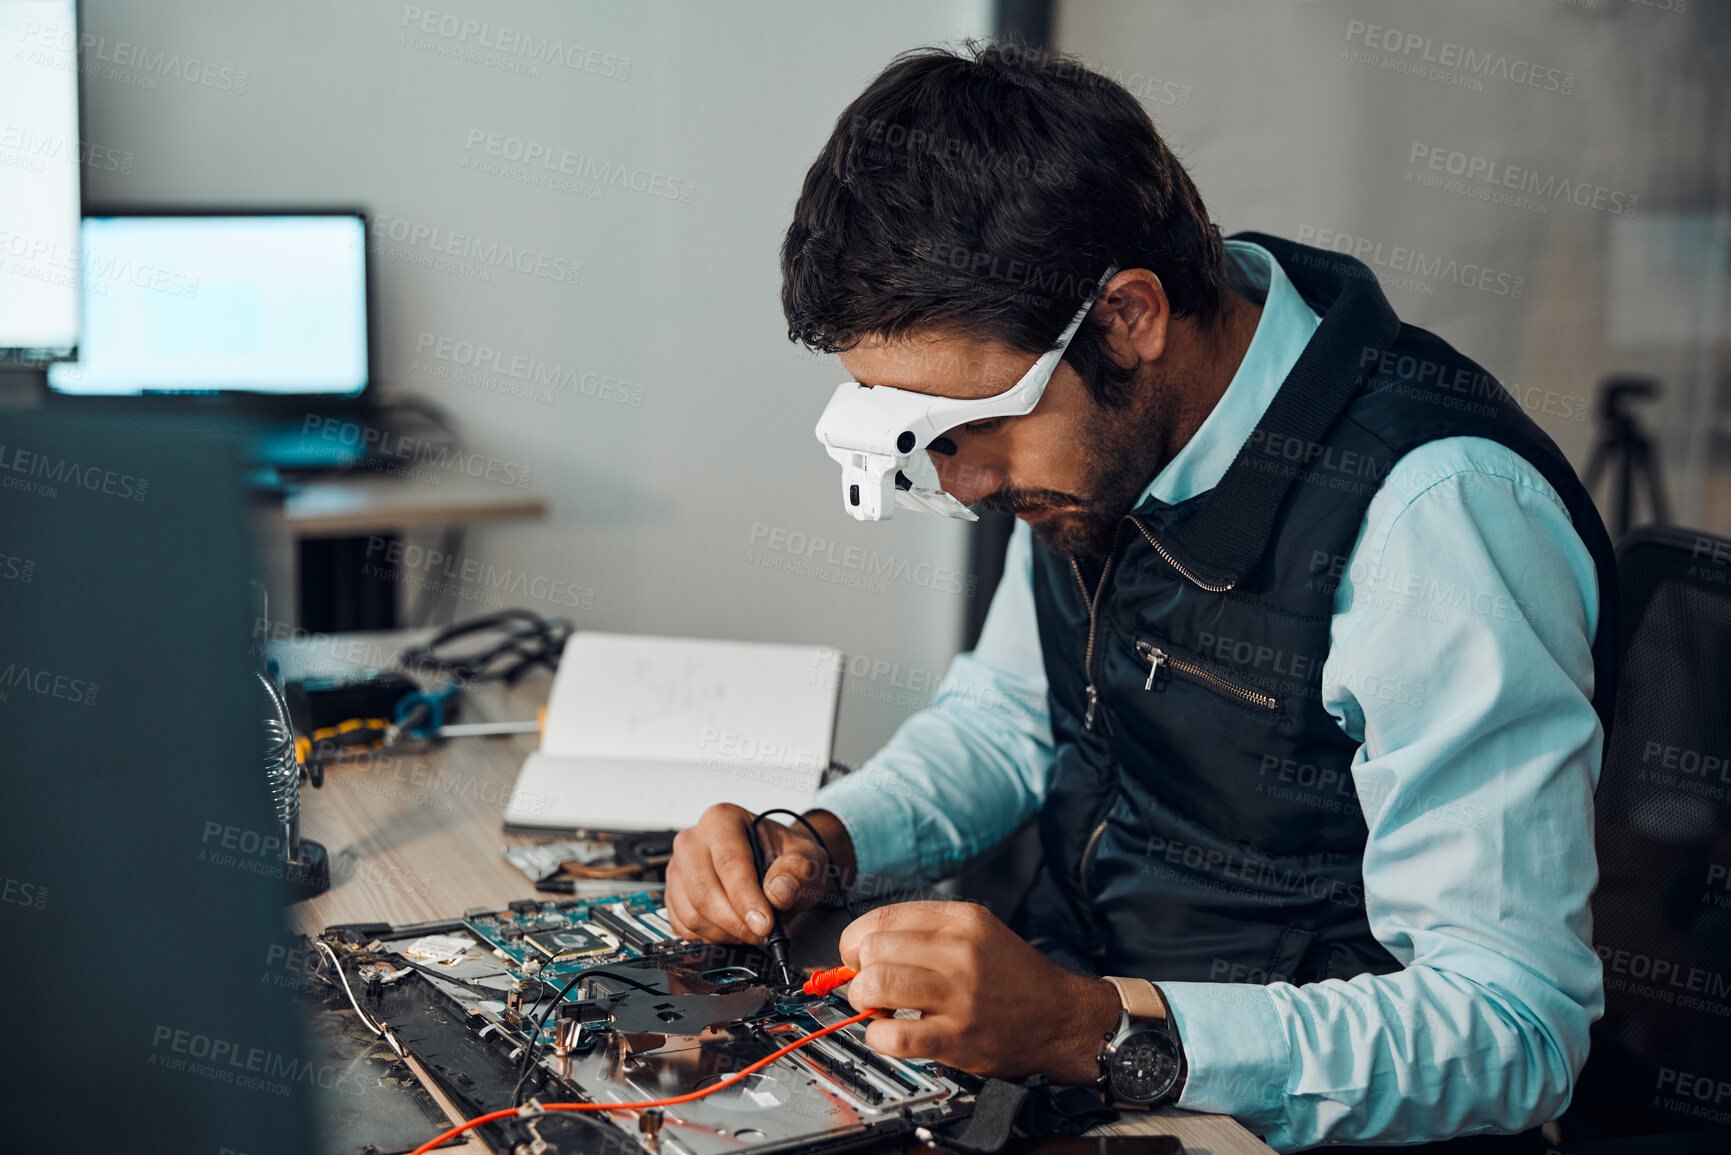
509	1112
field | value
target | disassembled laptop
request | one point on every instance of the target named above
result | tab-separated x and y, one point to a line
596	1000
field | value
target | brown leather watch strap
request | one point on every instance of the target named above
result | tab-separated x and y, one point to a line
1140	998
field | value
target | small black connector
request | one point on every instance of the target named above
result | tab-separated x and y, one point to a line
776	944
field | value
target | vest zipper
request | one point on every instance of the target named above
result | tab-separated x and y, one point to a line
1088	658
1156	657
1094	606
1088	850
1173	562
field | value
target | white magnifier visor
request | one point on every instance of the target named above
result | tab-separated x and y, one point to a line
878	434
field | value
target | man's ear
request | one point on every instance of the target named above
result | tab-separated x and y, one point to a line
1136	314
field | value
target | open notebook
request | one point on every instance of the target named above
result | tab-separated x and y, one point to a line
644	733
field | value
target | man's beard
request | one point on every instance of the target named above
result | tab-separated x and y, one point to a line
1122	448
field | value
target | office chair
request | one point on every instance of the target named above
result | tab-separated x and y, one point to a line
1658	1078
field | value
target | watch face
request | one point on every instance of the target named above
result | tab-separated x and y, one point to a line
1144	1066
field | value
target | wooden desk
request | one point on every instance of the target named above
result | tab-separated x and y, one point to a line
417	837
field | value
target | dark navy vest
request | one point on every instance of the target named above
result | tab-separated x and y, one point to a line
1202	822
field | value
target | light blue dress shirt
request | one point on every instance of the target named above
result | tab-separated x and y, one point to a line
1460	659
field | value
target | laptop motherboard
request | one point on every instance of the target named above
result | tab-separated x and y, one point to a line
595	1000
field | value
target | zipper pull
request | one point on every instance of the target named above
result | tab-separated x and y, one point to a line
1155	656
1093	700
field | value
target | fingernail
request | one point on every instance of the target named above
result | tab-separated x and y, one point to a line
781	890
757	921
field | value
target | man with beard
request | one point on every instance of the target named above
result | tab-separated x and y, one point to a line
1296	660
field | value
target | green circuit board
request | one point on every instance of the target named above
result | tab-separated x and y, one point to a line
555	939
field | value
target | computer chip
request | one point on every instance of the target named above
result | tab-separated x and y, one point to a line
571	942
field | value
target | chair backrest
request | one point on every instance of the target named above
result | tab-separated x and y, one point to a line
1661	1057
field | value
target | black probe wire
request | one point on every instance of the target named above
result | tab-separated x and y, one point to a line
777	943
757	855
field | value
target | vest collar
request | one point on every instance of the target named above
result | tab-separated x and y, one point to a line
1227	529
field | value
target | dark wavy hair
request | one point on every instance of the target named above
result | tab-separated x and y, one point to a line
985	191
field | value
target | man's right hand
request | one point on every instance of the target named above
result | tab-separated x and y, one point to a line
712	889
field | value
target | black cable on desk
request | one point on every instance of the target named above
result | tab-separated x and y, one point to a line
535	1035
524	640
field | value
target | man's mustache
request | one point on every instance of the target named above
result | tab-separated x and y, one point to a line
1015	501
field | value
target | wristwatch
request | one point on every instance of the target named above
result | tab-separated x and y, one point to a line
1142	1063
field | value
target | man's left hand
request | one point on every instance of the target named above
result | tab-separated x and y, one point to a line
989	1003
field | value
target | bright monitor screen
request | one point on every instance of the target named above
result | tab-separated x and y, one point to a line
272	304
40	155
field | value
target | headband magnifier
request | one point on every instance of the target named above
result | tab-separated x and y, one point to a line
879	434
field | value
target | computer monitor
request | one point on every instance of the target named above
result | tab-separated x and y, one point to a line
41	156
268	304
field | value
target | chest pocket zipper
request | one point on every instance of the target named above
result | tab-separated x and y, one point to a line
1158	658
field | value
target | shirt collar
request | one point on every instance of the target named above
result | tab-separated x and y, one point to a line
1282	332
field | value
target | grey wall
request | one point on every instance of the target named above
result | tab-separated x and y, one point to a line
666	508
1292	124
673	505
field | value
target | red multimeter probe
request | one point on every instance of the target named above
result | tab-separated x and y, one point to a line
826	981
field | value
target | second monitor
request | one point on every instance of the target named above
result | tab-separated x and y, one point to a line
269	304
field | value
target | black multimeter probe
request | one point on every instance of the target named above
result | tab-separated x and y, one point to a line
776	943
